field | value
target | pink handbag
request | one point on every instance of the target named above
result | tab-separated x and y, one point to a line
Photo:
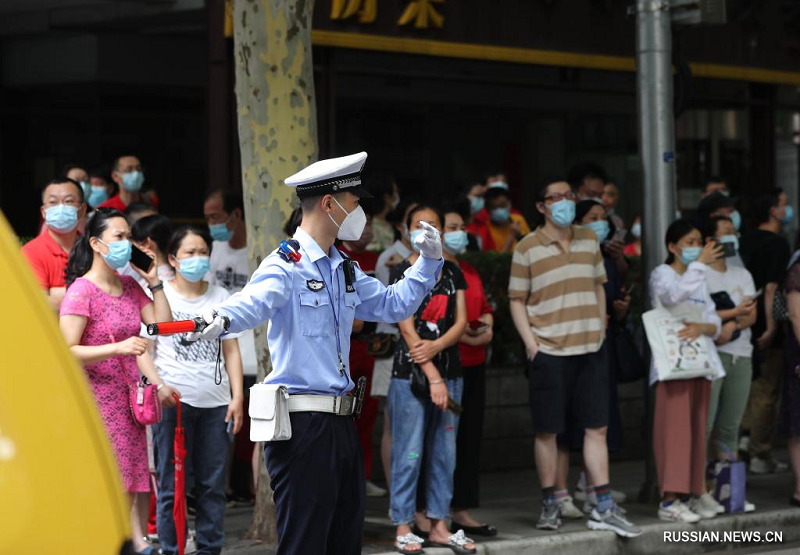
145	406
143	397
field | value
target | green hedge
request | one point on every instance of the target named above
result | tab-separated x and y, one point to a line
494	269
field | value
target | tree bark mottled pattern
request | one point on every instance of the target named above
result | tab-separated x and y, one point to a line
277	123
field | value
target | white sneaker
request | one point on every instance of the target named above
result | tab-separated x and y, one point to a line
699	508
375	491
744	444
708	501
191	545
677	512
749	507
568	508
760	465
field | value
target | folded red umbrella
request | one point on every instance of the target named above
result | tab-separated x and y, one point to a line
179	502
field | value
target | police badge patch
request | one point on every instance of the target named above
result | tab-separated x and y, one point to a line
315	285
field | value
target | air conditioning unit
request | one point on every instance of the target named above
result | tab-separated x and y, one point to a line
699	12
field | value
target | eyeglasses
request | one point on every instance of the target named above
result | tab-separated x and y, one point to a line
558	197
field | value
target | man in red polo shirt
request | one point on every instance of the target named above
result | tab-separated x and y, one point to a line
128	175
62	208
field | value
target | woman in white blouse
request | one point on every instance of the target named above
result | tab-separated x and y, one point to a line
681	407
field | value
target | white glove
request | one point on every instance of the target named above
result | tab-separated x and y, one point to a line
429	243
216	325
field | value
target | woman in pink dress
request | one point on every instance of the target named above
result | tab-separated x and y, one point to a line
100	319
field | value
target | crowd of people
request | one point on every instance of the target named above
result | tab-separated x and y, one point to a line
570	301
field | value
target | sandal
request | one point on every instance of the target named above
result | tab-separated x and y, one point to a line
416	530
409	539
482	530
457	543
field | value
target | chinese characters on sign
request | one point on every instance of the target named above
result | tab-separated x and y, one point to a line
421	12
367	9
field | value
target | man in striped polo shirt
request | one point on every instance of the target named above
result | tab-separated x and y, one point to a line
559	309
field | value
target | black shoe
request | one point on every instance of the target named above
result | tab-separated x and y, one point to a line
794	501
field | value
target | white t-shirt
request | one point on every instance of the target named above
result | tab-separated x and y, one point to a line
738	283
230	270
189	367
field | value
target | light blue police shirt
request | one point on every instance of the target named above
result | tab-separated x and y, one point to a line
301	331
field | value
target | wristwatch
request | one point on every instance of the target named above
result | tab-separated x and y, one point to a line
154	288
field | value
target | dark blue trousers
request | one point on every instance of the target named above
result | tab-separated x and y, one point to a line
318	482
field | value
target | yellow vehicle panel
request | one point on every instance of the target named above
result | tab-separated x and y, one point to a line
60	490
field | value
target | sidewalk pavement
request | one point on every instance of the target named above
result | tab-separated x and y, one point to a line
511	501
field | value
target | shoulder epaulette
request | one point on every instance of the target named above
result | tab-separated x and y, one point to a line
290	251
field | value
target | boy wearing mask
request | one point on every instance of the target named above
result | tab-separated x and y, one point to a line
504	226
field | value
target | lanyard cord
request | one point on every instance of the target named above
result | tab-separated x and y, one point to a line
335	317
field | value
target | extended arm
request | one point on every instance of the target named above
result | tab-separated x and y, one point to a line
399	301
266	293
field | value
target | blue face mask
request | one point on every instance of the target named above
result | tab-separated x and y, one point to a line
730	239
500	215
690	254
563	212
476	204
736	218
455	241
220	232
600	228
194	268
413	235
119	253
636	230
86	188
97	196
788	216
133	181
61	218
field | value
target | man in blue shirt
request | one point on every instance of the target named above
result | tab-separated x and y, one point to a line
317	475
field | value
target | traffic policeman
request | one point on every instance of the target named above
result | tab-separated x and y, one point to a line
310	302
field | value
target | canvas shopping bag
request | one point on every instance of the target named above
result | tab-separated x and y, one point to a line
675	359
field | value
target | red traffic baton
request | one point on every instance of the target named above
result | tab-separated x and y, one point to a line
181	326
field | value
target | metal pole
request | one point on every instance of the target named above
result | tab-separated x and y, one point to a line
657	153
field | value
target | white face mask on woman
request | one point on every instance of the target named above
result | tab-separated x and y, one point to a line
353	225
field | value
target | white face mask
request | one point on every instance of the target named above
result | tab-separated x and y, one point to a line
353	225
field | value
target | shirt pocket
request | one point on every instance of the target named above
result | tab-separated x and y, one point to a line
315	315
351	301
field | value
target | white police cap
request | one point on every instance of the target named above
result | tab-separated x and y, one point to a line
331	176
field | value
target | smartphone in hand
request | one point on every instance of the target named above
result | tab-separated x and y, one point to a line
728	250
140	259
229	430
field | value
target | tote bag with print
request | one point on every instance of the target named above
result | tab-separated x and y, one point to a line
676	359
